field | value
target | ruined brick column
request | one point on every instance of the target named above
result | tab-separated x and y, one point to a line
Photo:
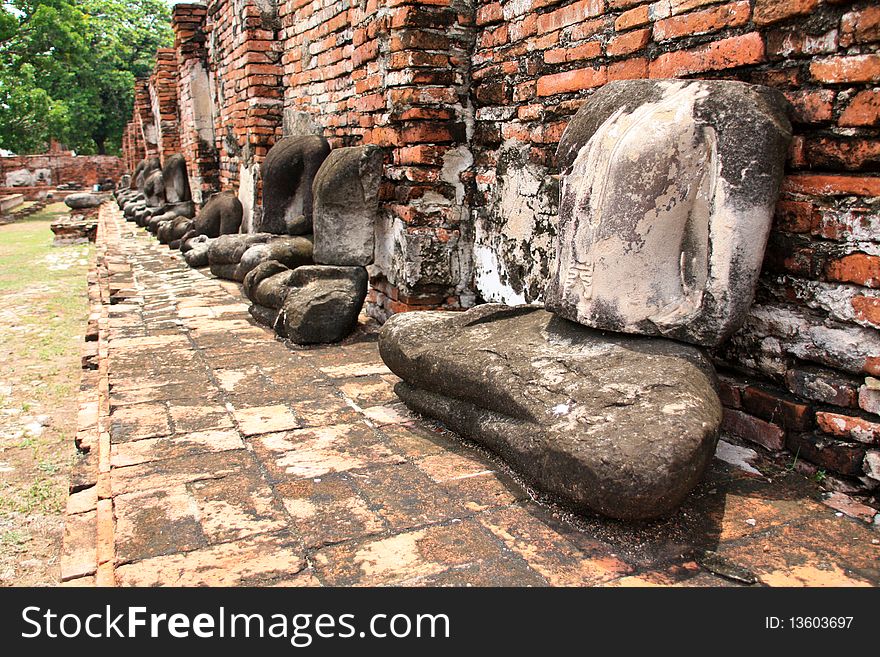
246	62
423	253
145	127
163	102
195	100
395	73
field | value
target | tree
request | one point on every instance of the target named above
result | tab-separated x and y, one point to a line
67	69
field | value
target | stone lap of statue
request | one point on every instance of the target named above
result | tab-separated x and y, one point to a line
288	173
320	303
221	215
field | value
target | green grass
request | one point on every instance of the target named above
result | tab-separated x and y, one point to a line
13	538
42	495
44	313
23	242
48	467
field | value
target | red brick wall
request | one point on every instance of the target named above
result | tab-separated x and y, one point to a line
395	73
163	102
59	168
196	100
244	59
470	98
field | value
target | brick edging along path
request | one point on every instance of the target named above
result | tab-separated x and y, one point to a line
217	454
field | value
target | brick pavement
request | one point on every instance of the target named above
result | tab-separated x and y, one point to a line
218	455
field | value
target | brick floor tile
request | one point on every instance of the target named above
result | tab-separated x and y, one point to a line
389	414
326	411
315	452
138	422
169	447
254	561
235	507
549	553
405	497
82	501
180	470
265	419
406	558
328	510
419	440
356	369
809	552
190	415
368	390
79	555
155	522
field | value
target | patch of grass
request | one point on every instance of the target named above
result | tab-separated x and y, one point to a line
48	467
43	311
14	538
28	441
42	495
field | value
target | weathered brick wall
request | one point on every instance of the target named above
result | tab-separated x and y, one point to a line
469	99
163	102
32	175
244	54
143	125
394	73
196	100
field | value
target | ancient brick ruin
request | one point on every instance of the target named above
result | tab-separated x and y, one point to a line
35	175
469	101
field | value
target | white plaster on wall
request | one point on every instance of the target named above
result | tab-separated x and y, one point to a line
247	194
514	235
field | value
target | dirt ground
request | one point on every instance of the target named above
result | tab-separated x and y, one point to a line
43	312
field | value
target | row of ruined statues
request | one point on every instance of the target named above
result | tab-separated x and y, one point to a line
605	398
303	267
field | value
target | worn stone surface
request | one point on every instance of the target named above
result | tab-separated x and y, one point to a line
291	252
323	303
225	252
82	201
666	205
176	180
154	188
171	231
346	201
195	250
221	215
618	425
288	172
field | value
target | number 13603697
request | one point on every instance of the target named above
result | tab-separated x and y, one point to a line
808	622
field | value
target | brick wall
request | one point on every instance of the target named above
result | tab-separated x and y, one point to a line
144	122
470	98
163	102
34	175
196	100
395	73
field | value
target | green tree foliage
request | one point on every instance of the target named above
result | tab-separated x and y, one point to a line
67	69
